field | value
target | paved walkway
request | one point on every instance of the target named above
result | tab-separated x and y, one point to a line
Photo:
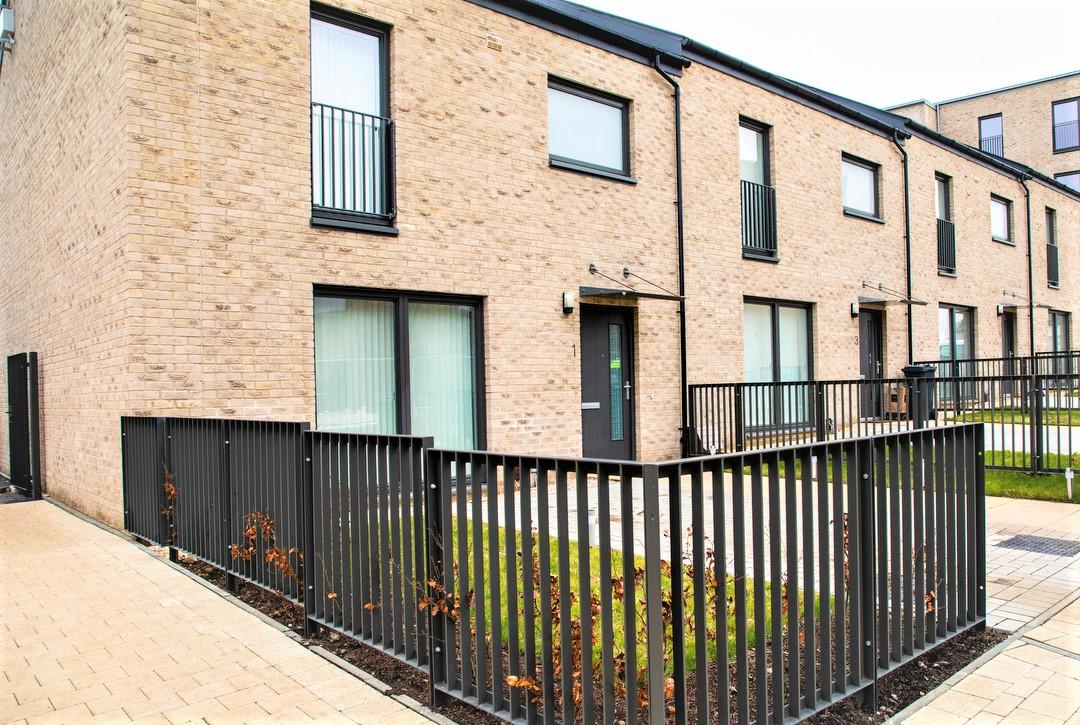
91	627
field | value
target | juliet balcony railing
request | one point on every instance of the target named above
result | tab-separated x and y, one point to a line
1066	135
993	145
351	163
758	220
946	247
1053	274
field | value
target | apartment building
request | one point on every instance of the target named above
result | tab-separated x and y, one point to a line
1036	123
509	224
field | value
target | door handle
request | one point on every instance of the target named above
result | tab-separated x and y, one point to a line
626	387
591	406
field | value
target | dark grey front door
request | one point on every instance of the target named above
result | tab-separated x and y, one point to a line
607	392
1008	349
871	361
22	412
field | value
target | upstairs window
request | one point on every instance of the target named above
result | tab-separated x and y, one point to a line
1053	269
1070	179
991	135
1067	125
1001	219
588	130
757	198
753	153
942	198
351	135
859	186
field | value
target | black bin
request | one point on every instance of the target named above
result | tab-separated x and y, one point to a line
922	406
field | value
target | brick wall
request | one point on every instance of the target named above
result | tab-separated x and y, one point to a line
1026	118
187	258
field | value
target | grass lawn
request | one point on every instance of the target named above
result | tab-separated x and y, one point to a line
1016	484
1004	416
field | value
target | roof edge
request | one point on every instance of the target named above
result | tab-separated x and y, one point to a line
1015	86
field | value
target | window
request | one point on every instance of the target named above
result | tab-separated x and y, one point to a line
946	233
1070	179
399	363
1060	340
351	136
1066	125
859	185
991	135
753	153
757	198
1001	219
777	341
1053	270
956	340
588	130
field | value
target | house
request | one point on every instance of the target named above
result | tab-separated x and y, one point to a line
511	224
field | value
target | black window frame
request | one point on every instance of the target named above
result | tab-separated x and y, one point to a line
607	98
339	219
1067	316
981	137
973	314
1009	240
875	169
1053	135
402	372
774	322
766	146
1057	178
1052	241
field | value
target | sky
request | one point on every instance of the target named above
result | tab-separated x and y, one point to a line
881	53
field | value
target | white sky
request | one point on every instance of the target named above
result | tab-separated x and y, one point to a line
880	52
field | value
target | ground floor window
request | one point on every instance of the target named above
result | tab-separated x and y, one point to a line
956	332
1061	342
399	363
776	348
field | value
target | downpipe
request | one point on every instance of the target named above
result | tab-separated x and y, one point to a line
683	389
907	250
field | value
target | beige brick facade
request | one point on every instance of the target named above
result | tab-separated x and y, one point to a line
1027	123
161	260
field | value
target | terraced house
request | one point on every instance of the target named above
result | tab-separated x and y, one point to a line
510	224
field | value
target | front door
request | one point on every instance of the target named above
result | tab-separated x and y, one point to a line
607	409
1008	349
871	361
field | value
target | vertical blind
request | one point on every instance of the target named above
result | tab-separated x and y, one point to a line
345	68
355	364
442	378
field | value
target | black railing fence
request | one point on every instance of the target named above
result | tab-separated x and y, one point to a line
575	590
994	145
946	246
351	162
758	219
1043	363
1033	422
1066	135
1053	272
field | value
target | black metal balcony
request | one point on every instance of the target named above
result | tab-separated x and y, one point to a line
351	163
946	247
993	145
758	220
1053	275
1066	135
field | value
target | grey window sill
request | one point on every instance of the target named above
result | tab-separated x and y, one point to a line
863	215
565	165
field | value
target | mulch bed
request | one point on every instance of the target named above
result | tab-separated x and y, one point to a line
896	690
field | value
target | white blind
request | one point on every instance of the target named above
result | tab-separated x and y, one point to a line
585	130
345	68
442	369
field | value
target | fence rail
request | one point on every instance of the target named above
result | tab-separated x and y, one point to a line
1033	422
578	590
351	162
1043	363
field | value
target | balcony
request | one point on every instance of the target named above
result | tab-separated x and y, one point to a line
352	179
758	220
1066	135
1053	276
946	247
994	145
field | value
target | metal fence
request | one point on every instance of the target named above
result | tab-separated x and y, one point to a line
1032	422
758	219
748	587
1043	363
351	162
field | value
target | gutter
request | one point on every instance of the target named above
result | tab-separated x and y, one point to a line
683	388
1031	265
907	251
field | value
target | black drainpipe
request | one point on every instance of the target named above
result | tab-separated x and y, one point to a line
683	394
1031	268
907	252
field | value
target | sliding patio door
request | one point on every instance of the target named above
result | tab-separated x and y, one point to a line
408	363
776	349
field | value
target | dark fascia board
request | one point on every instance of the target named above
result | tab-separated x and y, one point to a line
1006	89
635	41
1010	168
700	53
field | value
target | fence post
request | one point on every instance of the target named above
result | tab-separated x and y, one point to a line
980	524
1036	424
740	414
654	615
435	542
821	430
167	508
866	573
307	524
225	436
